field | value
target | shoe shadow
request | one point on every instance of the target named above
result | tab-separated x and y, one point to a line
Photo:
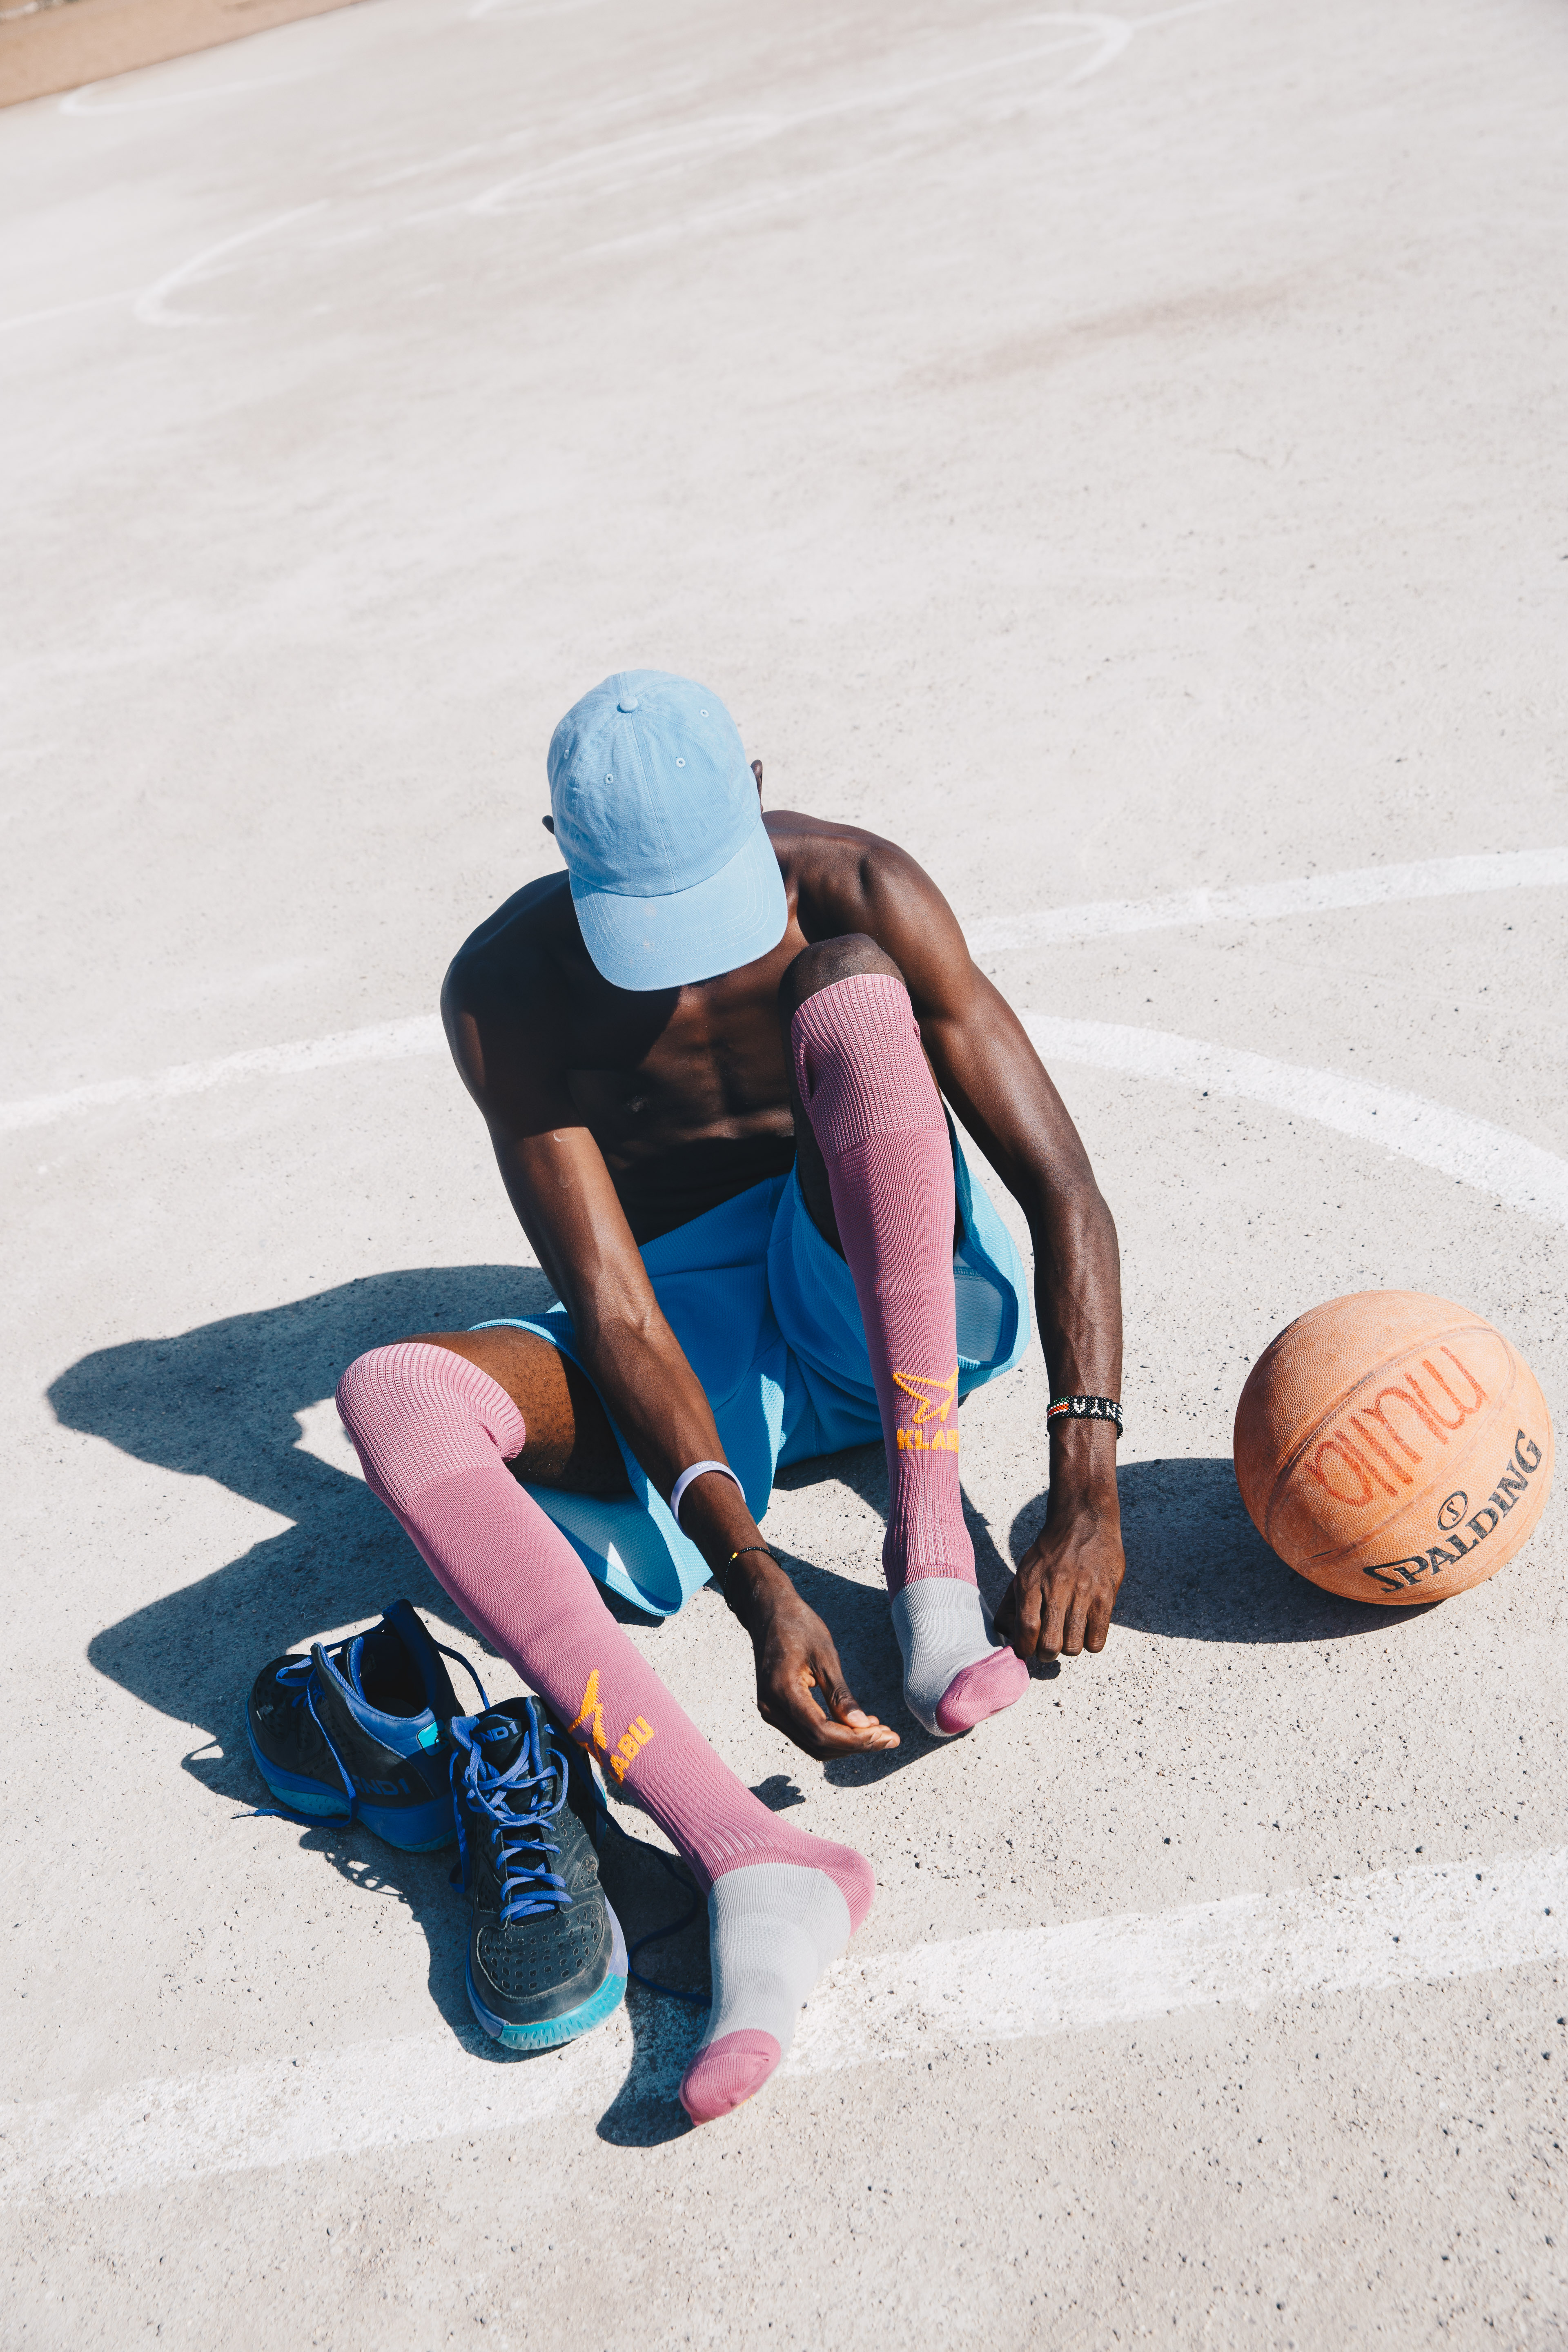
422	1883
636	1875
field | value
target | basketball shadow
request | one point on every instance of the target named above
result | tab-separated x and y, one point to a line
1198	1570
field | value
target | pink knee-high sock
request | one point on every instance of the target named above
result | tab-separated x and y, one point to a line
877	1115
434	1433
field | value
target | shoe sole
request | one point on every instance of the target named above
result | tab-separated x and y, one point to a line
550	2033
298	1795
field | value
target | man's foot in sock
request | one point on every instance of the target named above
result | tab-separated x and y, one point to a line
773	1927
954	1676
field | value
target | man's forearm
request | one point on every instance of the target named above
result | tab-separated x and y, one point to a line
1061	1599
1077	1293
657	1402
650	1392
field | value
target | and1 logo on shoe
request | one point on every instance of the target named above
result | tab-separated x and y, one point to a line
941	1441
589	1731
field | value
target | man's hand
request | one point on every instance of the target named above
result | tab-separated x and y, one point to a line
795	1658
1061	1599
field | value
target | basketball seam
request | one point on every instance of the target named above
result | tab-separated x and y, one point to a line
1437	1339
1320	1559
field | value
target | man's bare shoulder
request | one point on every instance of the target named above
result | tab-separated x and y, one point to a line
521	947
842	879
511	998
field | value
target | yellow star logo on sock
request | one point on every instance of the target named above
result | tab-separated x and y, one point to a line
916	1383
592	1715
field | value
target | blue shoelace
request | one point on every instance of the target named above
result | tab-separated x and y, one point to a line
528	1885
515	1807
295	1678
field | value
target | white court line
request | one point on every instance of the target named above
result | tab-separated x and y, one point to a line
386	1041
1409	1124
152	307
1111	35
1472	1151
1107	35
583	169
76	101
66	310
1414	1927
1363	886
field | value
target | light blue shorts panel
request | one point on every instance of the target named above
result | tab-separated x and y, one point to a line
766	1315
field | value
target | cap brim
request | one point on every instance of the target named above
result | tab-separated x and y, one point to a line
731	918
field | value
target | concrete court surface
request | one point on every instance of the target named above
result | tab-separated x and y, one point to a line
1120	458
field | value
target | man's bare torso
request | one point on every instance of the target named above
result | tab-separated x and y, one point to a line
619	1115
686	1090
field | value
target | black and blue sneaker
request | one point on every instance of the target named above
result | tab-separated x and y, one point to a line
546	1956
359	1733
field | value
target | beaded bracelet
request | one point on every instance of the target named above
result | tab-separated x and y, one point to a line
1084	1408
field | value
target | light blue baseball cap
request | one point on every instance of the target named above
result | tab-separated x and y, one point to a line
657	816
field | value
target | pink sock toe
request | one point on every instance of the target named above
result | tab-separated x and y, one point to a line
981	1690
727	2074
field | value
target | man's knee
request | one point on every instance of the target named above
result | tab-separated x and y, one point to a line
829	962
856	1053
388	1385
419	1408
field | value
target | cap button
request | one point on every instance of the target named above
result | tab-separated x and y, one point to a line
629	704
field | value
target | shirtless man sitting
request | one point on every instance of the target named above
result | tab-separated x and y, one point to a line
709	1056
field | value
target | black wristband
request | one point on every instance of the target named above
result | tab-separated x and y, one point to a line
1083	1408
721	1575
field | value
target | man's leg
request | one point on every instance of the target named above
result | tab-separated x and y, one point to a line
874	1138
570	1442
436	1430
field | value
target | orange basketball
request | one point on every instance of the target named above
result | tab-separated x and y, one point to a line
1393	1447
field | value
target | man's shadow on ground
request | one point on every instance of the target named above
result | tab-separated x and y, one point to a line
222	1402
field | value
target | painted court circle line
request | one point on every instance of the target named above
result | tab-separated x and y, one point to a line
1473	1152
1420	1925
1309	893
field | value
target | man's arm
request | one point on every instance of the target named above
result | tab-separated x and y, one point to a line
558	1183
1066	1586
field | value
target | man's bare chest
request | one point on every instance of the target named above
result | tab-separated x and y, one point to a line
707	1060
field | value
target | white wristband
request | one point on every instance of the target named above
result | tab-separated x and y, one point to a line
678	1492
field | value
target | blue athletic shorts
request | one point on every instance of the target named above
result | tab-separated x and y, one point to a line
766	1314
